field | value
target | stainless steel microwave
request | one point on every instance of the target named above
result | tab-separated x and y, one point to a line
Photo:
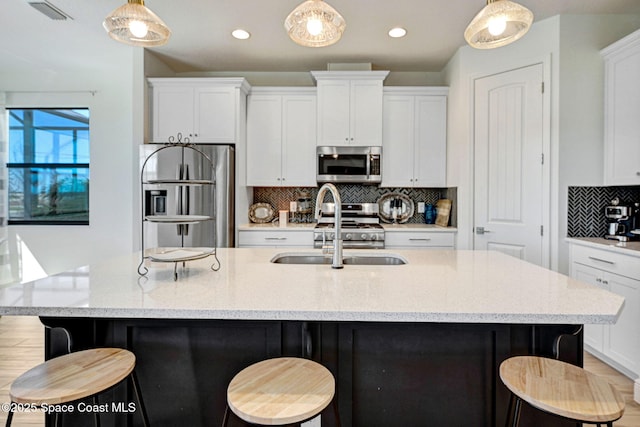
349	164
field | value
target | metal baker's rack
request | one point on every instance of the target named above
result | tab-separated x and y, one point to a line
183	218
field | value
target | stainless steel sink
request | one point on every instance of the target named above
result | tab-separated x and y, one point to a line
348	259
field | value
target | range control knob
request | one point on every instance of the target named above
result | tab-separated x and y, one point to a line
332	236
347	236
374	237
363	236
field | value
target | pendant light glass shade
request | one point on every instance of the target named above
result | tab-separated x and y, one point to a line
136	25
315	24
500	22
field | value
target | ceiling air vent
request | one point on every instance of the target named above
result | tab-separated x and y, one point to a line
50	10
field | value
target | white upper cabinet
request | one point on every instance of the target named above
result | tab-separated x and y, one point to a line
414	128
622	111
281	137
203	110
349	107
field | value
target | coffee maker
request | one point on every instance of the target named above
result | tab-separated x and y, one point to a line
623	221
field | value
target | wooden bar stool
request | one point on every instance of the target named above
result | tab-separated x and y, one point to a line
281	391
75	376
560	389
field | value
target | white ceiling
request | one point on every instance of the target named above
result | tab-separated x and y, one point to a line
201	39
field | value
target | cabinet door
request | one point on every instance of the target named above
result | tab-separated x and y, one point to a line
593	334
398	137
173	110
299	141
365	112
215	114
622	110
333	112
430	153
622	343
264	145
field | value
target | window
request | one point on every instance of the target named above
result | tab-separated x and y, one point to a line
48	164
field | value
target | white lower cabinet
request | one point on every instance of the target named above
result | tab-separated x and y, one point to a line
275	238
418	239
618	344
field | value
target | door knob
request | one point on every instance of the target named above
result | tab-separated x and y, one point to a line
482	230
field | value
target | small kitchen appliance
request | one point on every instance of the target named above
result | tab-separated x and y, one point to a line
356	165
360	226
623	220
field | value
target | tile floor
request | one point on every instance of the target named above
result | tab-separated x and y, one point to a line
21	347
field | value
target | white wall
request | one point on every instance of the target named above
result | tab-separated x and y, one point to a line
580	112
109	90
569	47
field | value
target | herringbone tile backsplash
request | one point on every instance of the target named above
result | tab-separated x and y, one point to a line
586	208
279	197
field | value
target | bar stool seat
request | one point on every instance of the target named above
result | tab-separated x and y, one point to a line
280	391
561	389
75	376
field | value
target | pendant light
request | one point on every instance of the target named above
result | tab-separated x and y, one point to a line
500	22
136	25
314	23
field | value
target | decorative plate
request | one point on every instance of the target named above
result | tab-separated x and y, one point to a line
261	213
401	203
181	254
177	219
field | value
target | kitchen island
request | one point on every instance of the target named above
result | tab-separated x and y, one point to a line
414	344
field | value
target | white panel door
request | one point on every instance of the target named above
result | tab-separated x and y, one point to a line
398	141
215	115
508	174
173	109
264	141
333	112
430	151
623	342
299	141
365	107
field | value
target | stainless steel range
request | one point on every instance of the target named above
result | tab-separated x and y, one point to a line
360	226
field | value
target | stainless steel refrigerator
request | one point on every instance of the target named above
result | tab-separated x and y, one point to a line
162	197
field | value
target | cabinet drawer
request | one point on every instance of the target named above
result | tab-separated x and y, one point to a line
275	238
617	263
418	240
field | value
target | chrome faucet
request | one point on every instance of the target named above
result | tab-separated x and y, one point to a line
336	261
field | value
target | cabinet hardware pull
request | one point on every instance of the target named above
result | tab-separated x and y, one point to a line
637	173
275	238
599	280
605	282
601	260
424	239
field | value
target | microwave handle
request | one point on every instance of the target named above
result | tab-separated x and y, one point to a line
368	170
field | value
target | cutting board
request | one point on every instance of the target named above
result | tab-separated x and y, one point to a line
443	208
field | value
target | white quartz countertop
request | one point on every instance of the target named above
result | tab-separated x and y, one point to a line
274	226
434	286
628	248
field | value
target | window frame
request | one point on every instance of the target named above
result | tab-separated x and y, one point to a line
53	165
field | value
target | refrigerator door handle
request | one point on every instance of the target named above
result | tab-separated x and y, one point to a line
180	174
185	202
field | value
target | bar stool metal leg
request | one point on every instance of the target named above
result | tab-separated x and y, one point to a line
136	390
9	417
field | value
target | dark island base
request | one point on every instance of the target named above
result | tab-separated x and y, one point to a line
388	374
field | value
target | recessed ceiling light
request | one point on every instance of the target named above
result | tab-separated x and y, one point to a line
397	32
240	34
